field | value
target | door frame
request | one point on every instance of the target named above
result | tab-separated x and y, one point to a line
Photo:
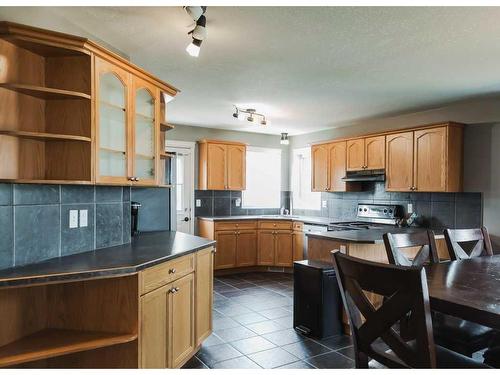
191	146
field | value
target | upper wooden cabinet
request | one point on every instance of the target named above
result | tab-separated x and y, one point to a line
427	160
222	165
329	167
77	113
366	153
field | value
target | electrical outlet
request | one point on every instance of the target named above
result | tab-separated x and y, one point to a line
198	203
84	222
73	218
410	208
324	204
237	202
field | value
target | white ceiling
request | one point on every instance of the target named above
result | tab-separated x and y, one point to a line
305	68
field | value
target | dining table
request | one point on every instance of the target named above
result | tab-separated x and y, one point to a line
468	289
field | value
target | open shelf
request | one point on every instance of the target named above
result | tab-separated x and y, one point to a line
44	48
165	155
165	127
108	104
44	92
112	150
44	136
49	343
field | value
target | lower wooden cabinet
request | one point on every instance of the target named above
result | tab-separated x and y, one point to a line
177	317
226	249
298	245
266	248
246	248
275	248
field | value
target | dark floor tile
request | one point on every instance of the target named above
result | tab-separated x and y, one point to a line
272	358
233	293
235	333
194	363
244	285
224	323
262	328
212	340
336	342
348	352
233	309
330	360
252	345
306	348
236	363
276	313
284	337
217	353
224	288
249	318
285	321
299	365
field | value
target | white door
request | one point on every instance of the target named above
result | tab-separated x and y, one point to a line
183	188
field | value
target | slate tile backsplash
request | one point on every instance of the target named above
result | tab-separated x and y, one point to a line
435	210
34	219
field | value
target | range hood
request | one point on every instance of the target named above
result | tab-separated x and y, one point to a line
361	176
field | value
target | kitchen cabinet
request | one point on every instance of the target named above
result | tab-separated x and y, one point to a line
79	114
204	276
266	248
329	167
426	160
366	153
226	249
246	248
222	165
283	248
298	241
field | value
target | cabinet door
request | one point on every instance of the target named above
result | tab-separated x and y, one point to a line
112	123
355	154
216	166
225	256
337	156
246	253
284	249
298	245
430	159
154	329
265	249
236	165
399	162
145	132
375	152
319	168
204	292
181	320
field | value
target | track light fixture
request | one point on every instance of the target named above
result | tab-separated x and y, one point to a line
284	139
250	115
199	33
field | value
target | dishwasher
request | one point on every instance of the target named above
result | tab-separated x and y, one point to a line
312	228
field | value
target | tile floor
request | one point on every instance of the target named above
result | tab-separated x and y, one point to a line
253	329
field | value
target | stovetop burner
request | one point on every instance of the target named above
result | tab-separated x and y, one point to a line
356	225
372	216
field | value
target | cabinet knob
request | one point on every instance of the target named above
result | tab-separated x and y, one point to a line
130	178
172	270
174	290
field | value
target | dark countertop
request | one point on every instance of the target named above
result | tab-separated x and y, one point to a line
145	250
366	236
303	219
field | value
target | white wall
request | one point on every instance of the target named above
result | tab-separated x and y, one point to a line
481	146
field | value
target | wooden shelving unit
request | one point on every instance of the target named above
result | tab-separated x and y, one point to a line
44	92
49	343
45	48
44	136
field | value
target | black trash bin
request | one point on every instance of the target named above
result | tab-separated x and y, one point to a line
317	304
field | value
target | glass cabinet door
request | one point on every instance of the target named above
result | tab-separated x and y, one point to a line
112	125
144	135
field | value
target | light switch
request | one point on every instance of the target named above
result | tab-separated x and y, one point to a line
198	203
324	204
410	208
84	222
73	218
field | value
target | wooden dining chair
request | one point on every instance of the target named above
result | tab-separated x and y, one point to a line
405	291
451	332
456	239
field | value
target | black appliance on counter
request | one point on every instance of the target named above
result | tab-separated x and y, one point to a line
317	304
134	222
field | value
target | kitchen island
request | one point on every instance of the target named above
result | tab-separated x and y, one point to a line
147	304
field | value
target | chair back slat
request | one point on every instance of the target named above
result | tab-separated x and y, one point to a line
456	239
405	292
394	242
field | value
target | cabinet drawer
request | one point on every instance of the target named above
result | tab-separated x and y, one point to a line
297	225
267	224
162	274
233	225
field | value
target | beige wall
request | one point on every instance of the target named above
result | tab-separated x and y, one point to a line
481	149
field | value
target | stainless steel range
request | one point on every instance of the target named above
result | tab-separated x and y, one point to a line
371	216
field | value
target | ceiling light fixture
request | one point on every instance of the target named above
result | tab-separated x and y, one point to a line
199	33
284	139
250	115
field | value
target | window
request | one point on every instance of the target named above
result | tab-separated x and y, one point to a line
303	197
263	178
